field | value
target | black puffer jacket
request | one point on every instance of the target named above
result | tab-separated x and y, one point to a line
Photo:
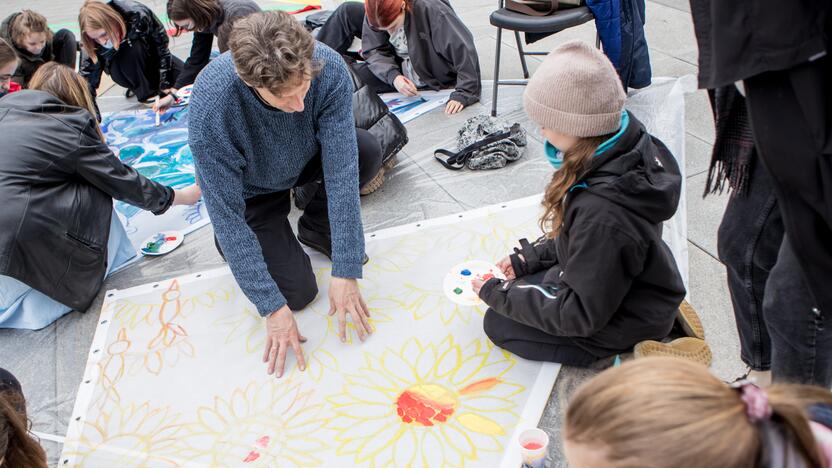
610	280
57	183
142	25
29	62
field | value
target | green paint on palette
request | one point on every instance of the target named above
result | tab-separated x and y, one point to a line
458	291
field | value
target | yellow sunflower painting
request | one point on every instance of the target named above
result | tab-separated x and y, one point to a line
133	436
272	423
439	404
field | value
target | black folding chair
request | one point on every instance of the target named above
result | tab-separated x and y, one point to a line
518	22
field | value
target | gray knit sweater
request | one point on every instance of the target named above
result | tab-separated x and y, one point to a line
243	148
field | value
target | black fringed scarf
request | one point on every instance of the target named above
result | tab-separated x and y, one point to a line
733	152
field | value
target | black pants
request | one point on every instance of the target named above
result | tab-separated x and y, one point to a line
772	304
267	214
531	343
346	24
65	48
791	116
136	67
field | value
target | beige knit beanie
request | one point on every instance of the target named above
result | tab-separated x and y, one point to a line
576	91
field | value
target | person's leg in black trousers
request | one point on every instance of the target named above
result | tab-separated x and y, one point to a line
343	27
368	78
136	68
65	48
313	225
531	343
748	243
801	344
791	115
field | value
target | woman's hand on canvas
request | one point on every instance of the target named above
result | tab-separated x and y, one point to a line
187	196
345	298
505	266
405	86
453	107
281	334
164	103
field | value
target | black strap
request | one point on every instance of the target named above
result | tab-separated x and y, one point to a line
456	161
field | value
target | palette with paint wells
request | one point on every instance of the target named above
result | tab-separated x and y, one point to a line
162	243
457	284
183	96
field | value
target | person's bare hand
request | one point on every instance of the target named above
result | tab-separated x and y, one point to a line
281	334
405	86
505	266
476	285
187	196
453	107
345	299
164	103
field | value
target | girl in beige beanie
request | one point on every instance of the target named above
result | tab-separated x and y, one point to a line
601	279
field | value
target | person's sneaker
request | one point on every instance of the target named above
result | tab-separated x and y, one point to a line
317	241
691	349
373	184
689	321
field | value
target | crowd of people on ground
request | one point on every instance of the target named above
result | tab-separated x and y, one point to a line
272	118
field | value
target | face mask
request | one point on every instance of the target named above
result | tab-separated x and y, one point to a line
108	44
554	155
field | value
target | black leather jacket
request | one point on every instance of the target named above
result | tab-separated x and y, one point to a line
142	25
57	183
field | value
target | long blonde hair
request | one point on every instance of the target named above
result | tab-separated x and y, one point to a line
66	85
666	412
575	164
97	15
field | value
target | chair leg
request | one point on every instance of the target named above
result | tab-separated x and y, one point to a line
496	73
522	55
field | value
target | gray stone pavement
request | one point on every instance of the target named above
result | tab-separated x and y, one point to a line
50	362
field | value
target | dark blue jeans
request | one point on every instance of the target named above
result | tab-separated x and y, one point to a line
778	326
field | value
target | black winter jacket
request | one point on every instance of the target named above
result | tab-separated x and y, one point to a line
29	62
738	40
142	25
440	46
203	40
610	279
57	183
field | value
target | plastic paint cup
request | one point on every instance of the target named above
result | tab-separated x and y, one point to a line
533	447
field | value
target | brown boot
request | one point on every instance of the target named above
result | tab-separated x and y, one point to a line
692	349
689	321
374	184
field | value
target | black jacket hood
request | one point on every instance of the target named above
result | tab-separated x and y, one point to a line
637	173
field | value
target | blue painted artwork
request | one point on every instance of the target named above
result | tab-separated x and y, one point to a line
161	154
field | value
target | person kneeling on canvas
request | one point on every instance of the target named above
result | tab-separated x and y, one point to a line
272	114
59	236
602	279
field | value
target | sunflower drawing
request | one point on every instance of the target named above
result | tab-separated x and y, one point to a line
264	424
426	405
135	435
422	302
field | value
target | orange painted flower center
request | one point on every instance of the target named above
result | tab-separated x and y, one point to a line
425	404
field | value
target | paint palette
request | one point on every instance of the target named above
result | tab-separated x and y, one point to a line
184	96
457	284
162	243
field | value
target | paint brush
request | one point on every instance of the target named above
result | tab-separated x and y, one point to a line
157	110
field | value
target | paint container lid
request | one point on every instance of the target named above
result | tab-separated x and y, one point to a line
162	243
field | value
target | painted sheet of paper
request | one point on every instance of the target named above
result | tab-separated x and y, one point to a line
175	377
161	154
408	108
